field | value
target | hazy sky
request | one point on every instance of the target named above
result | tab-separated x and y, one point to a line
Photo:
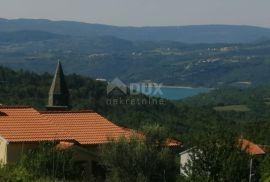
143	12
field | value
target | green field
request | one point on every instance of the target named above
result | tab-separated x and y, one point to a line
237	108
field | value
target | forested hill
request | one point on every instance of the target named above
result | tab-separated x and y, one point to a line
184	119
187	34
167	62
26	36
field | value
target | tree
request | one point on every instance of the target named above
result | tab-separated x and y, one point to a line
139	159
47	161
217	156
265	169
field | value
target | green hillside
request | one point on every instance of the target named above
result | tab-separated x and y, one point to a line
187	34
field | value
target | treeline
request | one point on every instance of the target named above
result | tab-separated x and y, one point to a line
186	120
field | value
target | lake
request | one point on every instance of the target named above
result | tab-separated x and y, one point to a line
175	93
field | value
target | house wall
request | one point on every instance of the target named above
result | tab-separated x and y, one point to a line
184	160
3	151
15	150
84	155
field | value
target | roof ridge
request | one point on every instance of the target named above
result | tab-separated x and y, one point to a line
58	112
15	107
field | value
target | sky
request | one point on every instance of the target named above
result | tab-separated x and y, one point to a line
143	12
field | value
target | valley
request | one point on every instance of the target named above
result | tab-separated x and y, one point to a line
169	63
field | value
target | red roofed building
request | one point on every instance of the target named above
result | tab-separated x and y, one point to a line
23	128
245	145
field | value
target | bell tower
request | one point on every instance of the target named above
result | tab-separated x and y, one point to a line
58	94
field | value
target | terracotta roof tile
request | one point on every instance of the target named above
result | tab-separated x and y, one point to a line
86	127
18	124
173	142
26	124
170	142
64	145
251	147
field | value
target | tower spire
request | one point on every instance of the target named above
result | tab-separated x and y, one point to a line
58	94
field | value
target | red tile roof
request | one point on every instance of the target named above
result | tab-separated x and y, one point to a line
86	127
26	124
169	142
173	142
64	145
18	124
251	147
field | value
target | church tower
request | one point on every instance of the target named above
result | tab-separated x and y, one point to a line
58	94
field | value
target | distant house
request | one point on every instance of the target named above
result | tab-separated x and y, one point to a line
184	159
251	148
246	145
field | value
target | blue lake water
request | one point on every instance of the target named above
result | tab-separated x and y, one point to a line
176	93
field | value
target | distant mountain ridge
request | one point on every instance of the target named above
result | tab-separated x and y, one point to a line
25	36
186	34
101	51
